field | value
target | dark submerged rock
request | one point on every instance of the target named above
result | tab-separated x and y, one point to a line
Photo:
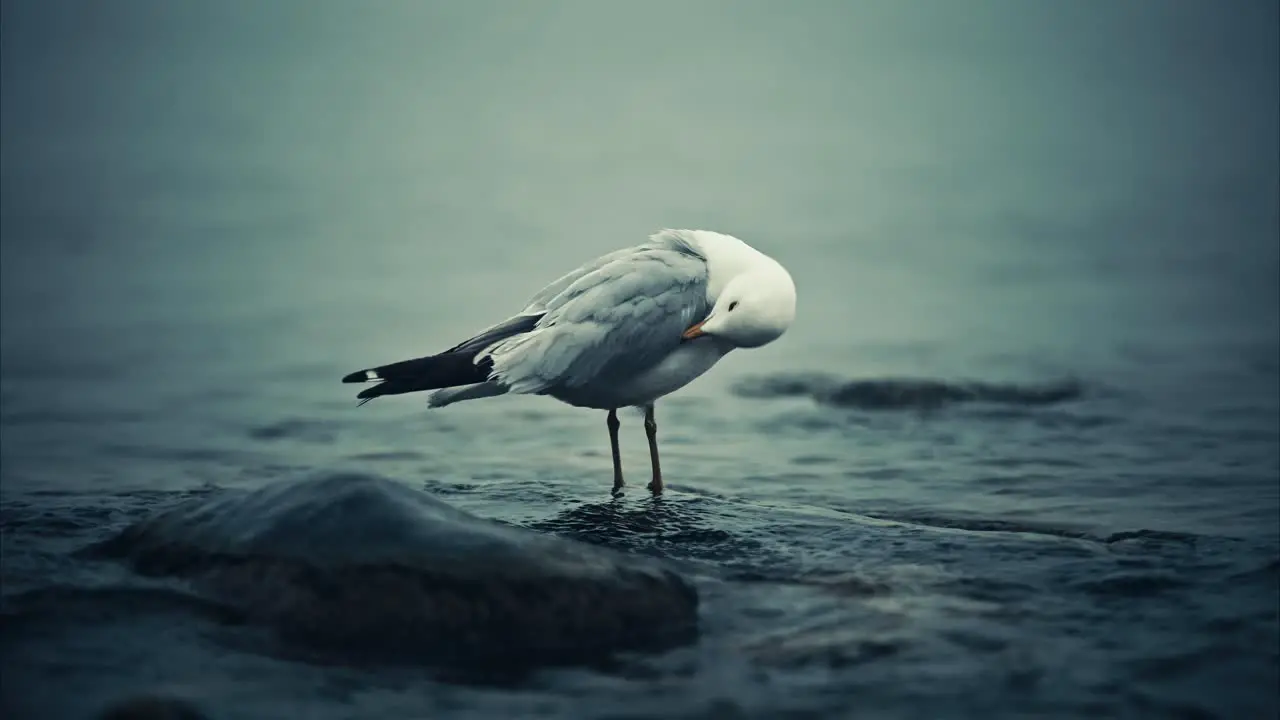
905	393
364	566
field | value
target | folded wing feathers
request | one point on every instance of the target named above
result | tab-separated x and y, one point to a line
622	310
625	314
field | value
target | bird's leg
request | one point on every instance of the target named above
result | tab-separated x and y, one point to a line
651	430
612	422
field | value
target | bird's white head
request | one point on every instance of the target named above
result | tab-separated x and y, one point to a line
754	308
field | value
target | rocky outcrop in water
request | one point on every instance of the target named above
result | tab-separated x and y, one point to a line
363	567
904	393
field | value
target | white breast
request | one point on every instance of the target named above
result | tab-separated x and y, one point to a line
690	360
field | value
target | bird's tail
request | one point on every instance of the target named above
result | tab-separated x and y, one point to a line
449	396
448	369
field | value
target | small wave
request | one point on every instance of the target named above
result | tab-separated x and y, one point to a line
389	456
59	522
972	524
1151	536
825	644
210	455
905	393
1134	541
1268	572
1132	584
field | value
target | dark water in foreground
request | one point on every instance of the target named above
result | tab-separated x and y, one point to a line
1020	455
980	558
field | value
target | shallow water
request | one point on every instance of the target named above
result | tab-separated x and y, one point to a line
1020	454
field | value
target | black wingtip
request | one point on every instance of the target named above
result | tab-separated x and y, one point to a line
357	376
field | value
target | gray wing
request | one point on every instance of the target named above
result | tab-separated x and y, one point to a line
535	308
539	302
610	321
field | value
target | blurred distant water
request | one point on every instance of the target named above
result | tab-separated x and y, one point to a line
209	213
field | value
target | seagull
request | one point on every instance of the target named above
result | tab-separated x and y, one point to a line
622	330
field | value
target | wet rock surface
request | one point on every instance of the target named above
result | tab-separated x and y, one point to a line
368	568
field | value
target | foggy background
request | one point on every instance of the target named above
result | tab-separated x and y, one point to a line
447	159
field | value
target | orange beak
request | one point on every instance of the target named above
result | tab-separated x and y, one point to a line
694	331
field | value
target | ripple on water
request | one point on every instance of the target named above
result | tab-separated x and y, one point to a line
1126	585
296	429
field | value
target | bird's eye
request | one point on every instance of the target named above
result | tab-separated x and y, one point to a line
733	304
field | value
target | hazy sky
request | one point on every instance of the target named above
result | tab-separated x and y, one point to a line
1034	139
862	94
